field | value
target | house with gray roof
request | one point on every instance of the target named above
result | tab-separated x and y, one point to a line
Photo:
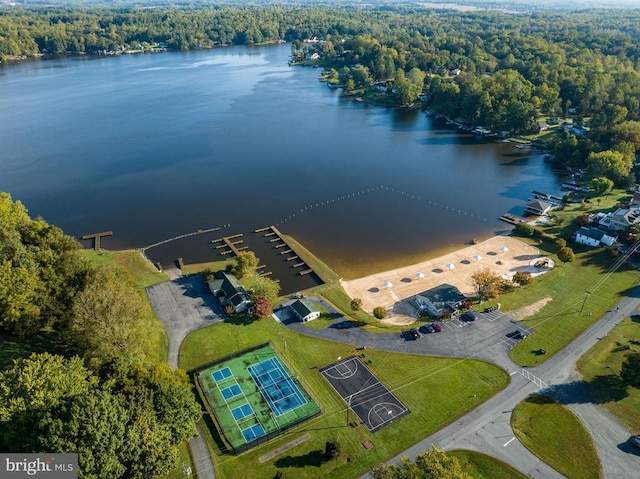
538	207
305	310
229	291
440	300
622	218
593	237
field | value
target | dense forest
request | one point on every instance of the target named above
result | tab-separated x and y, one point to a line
96	386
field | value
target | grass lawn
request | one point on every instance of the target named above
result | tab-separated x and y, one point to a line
196	268
436	390
143	273
554	434
481	466
600	368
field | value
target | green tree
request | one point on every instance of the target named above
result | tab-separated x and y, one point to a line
246	264
523	229
628	131
356	304
486	284
108	319
601	185
566	255
609	164
380	312
523	278
433	464
630	371
94	425
263	286
332	450
559	243
30	388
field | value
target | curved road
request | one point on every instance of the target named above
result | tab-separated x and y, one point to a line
487	428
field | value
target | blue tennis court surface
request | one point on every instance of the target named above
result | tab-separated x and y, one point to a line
231	391
242	411
253	432
276	386
221	374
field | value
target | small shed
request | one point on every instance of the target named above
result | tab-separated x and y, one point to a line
305	310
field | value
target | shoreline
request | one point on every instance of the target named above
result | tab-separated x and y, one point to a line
396	298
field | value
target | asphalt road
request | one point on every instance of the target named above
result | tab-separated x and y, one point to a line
185	304
487	428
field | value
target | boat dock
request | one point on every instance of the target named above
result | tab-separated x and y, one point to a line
512	219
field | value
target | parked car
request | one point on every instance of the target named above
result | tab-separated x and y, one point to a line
437	327
427	328
411	334
469	316
635	440
518	334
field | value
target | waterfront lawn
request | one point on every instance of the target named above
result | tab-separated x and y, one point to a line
562	320
143	273
212	266
600	369
436	391
557	436
481	466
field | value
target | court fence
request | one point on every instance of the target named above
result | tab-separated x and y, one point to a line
211	411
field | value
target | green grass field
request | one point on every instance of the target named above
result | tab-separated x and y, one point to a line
556	435
436	390
481	466
600	368
250	394
143	273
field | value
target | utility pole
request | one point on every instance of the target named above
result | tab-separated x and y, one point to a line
586	295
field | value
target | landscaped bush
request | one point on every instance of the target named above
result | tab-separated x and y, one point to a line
379	312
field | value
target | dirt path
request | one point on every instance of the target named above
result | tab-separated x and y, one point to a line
526	311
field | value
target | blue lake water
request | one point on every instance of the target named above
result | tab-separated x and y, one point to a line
152	146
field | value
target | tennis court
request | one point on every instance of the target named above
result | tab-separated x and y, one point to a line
276	386
374	404
254	397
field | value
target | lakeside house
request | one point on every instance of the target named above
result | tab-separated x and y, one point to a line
305	310
538	207
230	292
622	218
593	237
440	301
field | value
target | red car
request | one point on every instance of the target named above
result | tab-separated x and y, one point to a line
437	327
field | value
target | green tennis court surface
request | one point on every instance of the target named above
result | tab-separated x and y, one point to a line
254	397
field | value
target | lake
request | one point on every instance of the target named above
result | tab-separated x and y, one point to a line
153	146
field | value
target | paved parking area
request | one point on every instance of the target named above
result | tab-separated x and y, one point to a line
183	305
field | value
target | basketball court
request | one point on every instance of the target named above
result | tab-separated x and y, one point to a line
374	404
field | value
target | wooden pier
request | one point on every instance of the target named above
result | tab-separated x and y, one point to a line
512	219
96	238
286	251
280	245
306	271
297	265
291	258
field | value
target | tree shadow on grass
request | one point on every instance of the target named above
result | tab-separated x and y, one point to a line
601	389
312	458
240	319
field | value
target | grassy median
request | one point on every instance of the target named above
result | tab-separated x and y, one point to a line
556	435
481	466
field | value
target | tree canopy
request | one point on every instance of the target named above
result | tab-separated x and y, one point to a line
433	464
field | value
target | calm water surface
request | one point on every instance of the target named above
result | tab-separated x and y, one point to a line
152	146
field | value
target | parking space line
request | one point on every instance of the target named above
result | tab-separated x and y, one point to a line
509	441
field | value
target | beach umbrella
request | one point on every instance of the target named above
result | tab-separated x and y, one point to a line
419	275
504	249
387	284
477	257
450	266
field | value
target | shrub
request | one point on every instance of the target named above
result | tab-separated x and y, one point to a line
524	229
560	243
356	304
522	278
379	312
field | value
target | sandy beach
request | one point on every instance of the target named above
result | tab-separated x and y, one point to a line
393	290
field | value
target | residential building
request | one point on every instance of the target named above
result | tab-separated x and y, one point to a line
305	310
538	207
229	291
593	237
622	218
